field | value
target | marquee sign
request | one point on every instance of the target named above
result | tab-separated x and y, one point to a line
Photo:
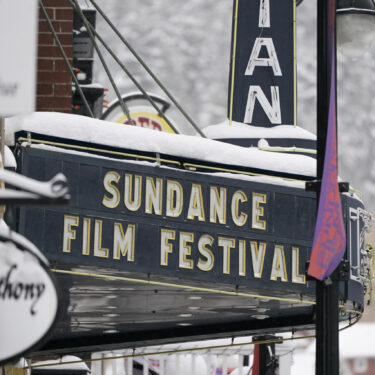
263	71
142	219
145	240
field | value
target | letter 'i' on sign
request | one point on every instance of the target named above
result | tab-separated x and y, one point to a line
262	89
18	33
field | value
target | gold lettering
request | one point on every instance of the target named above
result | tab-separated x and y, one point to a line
185	250
238	219
227	244
218	205
109	179
257	256
69	233
196	208
175	196
86	236
133	200
154	194
278	264
296	276
123	244
203	243
98	250
242	258
165	246
258	211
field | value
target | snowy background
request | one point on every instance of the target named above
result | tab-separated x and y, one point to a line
187	45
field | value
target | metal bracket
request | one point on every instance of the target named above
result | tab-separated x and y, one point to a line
31	191
315	185
274	339
342	272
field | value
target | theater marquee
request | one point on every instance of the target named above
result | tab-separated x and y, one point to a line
158	220
154	238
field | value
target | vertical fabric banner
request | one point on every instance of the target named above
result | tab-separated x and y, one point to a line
329	238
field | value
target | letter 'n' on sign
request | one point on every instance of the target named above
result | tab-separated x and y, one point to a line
262	79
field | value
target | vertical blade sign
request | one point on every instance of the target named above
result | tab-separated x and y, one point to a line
262	88
329	238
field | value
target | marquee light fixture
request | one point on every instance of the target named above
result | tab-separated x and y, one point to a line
355	26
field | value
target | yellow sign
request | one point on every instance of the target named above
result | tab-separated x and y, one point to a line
146	120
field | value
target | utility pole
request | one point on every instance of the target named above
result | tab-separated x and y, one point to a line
327	291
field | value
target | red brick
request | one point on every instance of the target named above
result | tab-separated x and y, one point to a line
53	102
59	26
64	14
44	89
54	77
63	91
49	109
56	3
66	39
54	51
60	66
46	39
50	12
45	65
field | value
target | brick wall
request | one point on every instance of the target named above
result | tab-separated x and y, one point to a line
54	83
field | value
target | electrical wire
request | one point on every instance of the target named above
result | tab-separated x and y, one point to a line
124	107
65	58
188	350
148	70
131	77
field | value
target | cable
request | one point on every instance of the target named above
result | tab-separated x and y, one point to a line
123	106
136	83
167	352
56	38
148	70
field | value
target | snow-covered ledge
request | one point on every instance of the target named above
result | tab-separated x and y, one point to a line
81	128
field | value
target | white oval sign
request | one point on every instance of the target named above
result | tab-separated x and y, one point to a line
28	301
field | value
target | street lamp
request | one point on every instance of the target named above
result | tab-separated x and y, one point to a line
355	26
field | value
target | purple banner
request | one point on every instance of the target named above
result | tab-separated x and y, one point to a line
329	238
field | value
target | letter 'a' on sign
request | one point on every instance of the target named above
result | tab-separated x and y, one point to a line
18	36
262	78
28	298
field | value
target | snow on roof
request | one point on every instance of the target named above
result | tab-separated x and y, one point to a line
86	129
239	130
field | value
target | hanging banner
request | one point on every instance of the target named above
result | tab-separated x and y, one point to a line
28	299
262	90
329	238
18	36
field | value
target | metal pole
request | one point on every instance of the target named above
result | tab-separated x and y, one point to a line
327	294
2	135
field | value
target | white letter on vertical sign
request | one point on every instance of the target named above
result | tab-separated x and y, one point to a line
272	112
264	13
255	60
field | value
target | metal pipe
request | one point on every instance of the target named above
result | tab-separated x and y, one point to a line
148	70
66	60
136	83
123	106
327	295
